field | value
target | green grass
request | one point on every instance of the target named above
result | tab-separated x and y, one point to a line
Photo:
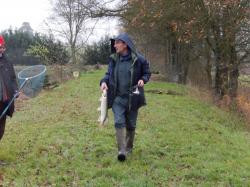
54	140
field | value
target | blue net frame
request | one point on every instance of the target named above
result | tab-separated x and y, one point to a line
33	77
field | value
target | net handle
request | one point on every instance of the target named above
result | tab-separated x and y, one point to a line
14	97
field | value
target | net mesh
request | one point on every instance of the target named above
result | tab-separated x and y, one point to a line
33	79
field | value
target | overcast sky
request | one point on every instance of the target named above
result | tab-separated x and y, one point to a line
15	12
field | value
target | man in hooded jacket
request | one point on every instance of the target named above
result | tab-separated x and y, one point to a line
8	86
127	73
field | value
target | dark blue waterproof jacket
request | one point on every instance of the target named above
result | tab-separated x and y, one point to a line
139	71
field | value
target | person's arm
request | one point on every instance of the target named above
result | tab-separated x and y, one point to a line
146	74
13	78
104	82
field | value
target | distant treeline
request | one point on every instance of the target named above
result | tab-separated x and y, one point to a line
26	48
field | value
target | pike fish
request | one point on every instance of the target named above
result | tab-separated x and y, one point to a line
103	118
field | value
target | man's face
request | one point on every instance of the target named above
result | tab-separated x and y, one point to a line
2	49
121	47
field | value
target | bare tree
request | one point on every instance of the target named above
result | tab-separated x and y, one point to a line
107	8
71	18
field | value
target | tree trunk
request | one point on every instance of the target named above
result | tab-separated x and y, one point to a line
73	55
209	66
177	61
233	74
221	80
184	54
233	81
226	79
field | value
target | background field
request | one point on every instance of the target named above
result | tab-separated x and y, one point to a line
54	140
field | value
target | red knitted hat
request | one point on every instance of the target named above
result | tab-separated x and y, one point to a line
2	42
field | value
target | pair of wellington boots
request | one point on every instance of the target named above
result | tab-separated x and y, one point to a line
125	140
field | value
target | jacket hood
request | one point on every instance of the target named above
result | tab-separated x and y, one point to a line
125	38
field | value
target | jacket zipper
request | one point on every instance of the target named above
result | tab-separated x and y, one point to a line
115	72
131	81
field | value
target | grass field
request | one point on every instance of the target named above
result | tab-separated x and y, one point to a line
54	140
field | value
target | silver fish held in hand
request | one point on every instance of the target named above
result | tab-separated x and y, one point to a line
103	118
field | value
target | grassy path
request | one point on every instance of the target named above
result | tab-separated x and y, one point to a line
54	140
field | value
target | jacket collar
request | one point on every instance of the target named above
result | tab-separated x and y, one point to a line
116	57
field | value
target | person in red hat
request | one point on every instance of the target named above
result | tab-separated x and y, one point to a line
8	86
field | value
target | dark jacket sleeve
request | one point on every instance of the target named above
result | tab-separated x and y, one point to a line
108	73
146	74
13	77
13	87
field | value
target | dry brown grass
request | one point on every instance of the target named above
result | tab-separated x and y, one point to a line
241	105
225	103
157	77
243	102
199	93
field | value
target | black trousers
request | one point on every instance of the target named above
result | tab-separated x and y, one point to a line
2	121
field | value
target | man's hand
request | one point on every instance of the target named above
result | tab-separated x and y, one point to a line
104	86
140	83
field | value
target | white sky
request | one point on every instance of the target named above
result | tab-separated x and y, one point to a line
15	12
